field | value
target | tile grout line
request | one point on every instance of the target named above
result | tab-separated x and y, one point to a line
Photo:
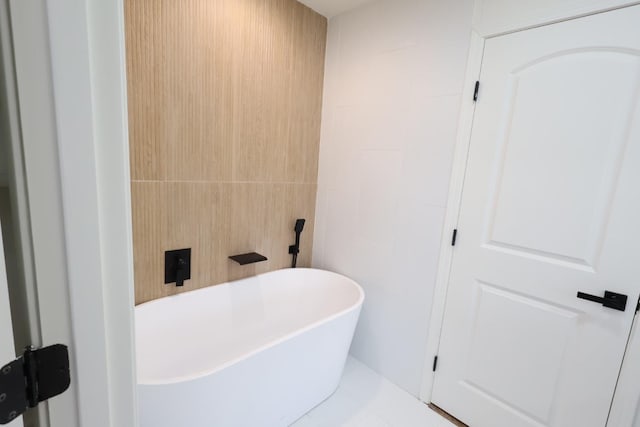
221	182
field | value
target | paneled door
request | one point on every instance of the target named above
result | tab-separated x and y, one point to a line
7	349
550	208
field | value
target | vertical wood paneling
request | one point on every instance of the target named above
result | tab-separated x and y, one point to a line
148	152
225	102
148	219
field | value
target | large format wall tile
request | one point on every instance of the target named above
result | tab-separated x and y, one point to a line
216	220
393	92
227	90
225	101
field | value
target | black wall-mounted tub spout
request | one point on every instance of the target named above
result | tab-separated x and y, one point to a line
250	258
295	248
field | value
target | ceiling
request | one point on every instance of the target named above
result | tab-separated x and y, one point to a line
331	8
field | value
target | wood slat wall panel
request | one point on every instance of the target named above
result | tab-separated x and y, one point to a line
225	101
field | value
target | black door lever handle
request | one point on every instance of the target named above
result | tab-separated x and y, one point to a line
610	300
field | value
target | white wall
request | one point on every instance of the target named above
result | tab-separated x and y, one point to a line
393	84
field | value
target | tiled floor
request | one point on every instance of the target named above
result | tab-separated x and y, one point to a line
365	399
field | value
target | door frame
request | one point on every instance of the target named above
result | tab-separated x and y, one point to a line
454	200
6	324
627	393
71	124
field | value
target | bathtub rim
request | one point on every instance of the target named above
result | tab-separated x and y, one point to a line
203	374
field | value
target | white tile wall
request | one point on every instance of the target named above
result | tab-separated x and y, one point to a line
394	78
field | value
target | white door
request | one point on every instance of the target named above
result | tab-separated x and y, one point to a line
7	350
550	207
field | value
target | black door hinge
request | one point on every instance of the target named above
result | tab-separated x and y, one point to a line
454	237
32	378
475	91
435	363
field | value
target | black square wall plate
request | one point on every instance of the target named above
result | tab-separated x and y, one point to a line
171	259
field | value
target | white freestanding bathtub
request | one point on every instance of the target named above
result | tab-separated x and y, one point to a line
258	352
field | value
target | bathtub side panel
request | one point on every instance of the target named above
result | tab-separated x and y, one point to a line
270	389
